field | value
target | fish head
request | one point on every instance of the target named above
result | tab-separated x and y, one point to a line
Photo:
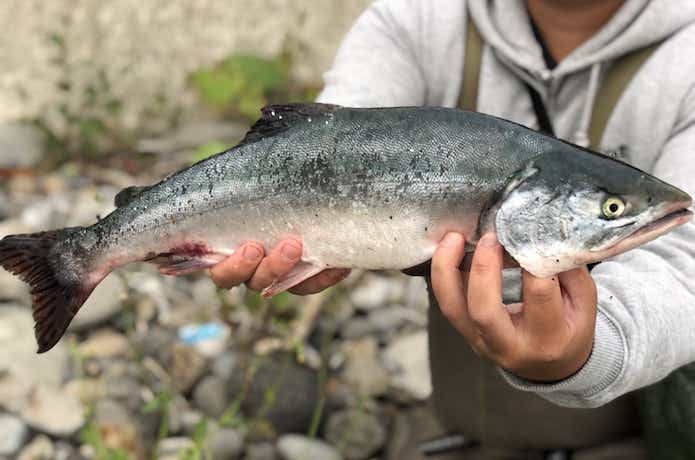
575	207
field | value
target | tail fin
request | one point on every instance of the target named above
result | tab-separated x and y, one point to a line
54	265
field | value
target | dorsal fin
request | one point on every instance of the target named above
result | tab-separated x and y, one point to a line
125	196
277	118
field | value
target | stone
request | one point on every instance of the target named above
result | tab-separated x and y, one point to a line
391	319
298	447
189	420
18	350
104	303
225	444
226	365
358	434
14	393
261	451
87	390
408	355
21	145
185	366
125	389
356	328
66	451
363	370
282	392
13	433
415	293
105	343
117	427
374	291
53	411
171	448
210	396
155	342
40	448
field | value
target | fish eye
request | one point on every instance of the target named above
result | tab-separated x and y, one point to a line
613	207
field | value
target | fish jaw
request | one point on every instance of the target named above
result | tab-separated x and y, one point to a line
668	218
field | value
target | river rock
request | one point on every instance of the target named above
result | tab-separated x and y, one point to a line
408	355
363	370
18	350
261	451
358	434
40	448
297	447
13	433
105	343
185	365
225	444
117	427
227	365
102	305
374	291
210	396
53	411
283	392
171	448
155	342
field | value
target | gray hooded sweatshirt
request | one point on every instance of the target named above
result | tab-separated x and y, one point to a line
411	52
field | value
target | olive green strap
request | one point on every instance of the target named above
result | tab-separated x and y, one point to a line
468	99
614	83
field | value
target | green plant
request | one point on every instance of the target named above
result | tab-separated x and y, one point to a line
198	451
241	84
160	403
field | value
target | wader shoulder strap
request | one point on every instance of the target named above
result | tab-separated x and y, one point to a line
614	83
618	76
468	99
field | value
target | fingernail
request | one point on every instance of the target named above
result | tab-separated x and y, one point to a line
488	240
291	251
452	240
252	253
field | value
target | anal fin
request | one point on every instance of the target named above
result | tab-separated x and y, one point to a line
302	271
180	265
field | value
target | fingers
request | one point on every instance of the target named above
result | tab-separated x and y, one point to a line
323	280
485	307
448	283
238	267
580	286
544	308
278	262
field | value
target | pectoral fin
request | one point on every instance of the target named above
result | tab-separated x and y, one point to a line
302	271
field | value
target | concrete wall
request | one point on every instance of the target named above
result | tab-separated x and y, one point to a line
52	51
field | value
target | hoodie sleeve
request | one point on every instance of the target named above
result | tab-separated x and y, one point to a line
377	63
646	300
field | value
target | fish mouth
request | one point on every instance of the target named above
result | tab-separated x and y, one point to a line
671	216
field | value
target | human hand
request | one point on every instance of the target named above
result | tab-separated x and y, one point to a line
550	336
249	264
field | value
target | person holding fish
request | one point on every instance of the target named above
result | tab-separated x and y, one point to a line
580	339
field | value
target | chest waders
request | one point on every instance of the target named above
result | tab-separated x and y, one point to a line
472	398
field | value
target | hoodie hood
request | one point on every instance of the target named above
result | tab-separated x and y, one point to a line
504	25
